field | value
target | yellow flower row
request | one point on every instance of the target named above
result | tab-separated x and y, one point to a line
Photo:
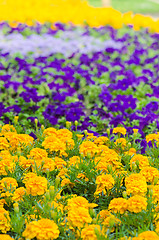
67	11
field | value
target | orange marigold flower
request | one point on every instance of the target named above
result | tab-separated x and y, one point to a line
50	132
78	217
131	152
60	163
4	220
148	235
141	160
136	184
152	137
89	232
78	201
7	128
150	173
66	181
18	194
137	203
42	229
53	144
5	237
38	154
8	183
118	205
19	140
104	182
121	141
88	147
28	176
7	164
64	134
74	160
49	164
4	144
101	140
119	130
36	186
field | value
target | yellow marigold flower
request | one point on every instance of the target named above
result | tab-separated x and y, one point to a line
155	193
119	130
60	163
36	186
19	140
78	201
4	220
148	235
42	229
152	137
82	176
131	152
137	203
118	205
103	214
24	162
8	183
7	164
104	182
38	154
101	140
78	217
109	221
4	144
58	206
64	134
74	161
89	232
18	194
70	143
136	184
66	181
88	147
49	164
53	144
5	237
50	132
121	141
141	160
28	176
7	128
150	173
90	136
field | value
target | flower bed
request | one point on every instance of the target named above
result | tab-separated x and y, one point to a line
70	186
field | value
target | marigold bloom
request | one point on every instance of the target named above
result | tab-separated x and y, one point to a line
150	173
148	235
53	144
49	164
7	128
77	217
38	154
19	140
89	232
136	184
64	134
78	201
104	182
18	194
101	140
6	164
88	147
60	163
131	152
4	220
42	229
152	137
121	141
119	130
36	186
28	176
50	132
118	205
142	161
74	160
5	237
137	203
8	183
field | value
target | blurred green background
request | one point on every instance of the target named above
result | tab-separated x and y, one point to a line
137	6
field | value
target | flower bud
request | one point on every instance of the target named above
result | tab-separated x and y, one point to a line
111	221
16	119
134	166
54	215
16	207
108	132
52	192
57	181
76	123
155	180
47	194
68	124
85	133
124	194
42	127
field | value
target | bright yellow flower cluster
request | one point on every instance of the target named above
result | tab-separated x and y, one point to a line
55	11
